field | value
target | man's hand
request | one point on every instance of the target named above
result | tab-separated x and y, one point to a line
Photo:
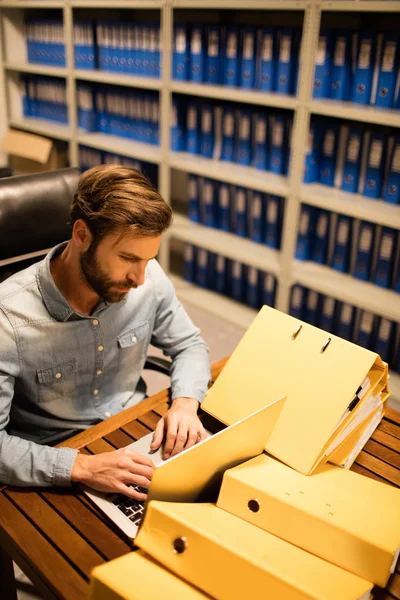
114	472
181	426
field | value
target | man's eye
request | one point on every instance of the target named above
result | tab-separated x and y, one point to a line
128	259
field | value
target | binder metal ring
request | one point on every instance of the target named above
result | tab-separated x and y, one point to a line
326	344
179	545
296	333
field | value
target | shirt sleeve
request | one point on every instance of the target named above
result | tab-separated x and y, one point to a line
23	462
175	334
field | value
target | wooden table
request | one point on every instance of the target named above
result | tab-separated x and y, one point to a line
56	535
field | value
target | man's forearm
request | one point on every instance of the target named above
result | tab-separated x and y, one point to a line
190	373
26	463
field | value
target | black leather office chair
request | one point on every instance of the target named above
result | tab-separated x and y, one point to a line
34	216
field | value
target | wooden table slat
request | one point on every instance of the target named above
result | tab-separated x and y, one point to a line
387	440
382	452
362	471
161	409
68	541
378	466
136	429
392	415
150	419
80	517
390	428
99	446
25	544
118	438
394	585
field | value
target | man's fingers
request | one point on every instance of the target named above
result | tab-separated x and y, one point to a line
141	470
131	493
133	479
192	438
203	434
181	438
170	438
158	435
139	458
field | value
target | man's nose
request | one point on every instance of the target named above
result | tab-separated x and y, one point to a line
137	275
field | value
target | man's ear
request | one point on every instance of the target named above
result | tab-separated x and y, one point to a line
81	235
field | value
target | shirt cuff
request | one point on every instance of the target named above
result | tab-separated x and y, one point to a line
188	393
63	466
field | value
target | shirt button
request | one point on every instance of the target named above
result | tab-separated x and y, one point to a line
95	322
95	392
108	414
100	348
99	372
134	339
58	375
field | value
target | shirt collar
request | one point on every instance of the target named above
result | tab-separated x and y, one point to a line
55	302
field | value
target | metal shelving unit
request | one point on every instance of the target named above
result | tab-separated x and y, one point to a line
287	270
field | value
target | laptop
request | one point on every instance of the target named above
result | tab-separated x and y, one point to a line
194	475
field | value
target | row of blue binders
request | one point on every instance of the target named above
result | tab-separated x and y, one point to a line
349	322
247	213
367	251
229	277
355	159
45	42
117	111
90	157
44	98
361	67
245	136
259	58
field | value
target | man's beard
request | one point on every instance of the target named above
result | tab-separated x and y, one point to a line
98	280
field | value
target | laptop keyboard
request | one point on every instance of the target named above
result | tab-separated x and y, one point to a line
132	509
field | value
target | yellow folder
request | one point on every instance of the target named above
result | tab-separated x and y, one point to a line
231	559
318	372
341	516
137	576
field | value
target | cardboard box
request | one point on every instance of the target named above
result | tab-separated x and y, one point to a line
29	153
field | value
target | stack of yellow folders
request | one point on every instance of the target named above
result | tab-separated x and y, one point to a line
336	391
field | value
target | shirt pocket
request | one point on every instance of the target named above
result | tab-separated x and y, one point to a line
132	348
57	382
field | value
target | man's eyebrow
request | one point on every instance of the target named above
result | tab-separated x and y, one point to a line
130	255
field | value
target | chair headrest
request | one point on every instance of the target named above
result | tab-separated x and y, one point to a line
34	211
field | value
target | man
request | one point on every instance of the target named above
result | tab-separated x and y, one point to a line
75	329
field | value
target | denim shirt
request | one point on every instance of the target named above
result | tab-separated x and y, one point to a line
61	371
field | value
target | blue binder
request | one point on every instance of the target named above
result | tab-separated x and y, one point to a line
319	253
345	321
323	66
237	280
386	256
193	197
277	163
365	330
388	70
207	131
178	127
364	71
375	166
396	284
298	301
312	308
343	240
197	54
192	129
228	135
260	159
213	59
252	296
341	66
266	78
208	203
256	216
268	289
284	67
189	269
313	151
305	235
391	191
352	163
220	274
240	212
364	251
248	62
329	155
224	207
243	156
180	59
385	339
328	314
231	57
273	221
202	268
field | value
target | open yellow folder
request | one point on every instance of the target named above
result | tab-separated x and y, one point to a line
319	373
230	559
348	519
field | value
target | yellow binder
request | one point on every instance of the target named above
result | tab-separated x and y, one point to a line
231	560
318	372
345	518
137	576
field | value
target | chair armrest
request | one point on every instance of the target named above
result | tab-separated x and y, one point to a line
155	363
